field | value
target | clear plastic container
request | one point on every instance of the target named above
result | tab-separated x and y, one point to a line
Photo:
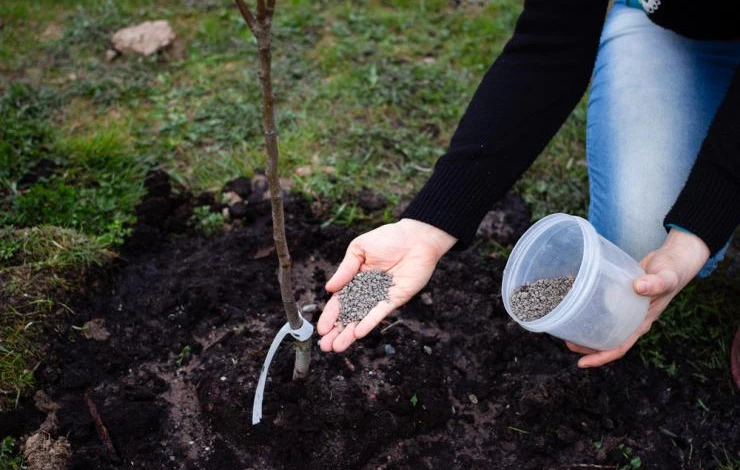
602	309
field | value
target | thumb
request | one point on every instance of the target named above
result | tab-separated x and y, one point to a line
659	283
347	269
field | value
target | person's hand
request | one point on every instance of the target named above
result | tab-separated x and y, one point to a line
667	270
408	250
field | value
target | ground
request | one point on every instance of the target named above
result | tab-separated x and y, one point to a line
451	381
128	293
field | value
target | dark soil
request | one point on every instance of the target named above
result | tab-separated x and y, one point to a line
461	385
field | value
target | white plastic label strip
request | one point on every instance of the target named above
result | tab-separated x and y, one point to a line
303	333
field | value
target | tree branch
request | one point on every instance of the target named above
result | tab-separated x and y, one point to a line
261	15
247	15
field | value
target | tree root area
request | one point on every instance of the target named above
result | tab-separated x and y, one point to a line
451	382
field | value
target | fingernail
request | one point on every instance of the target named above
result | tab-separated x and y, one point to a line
642	286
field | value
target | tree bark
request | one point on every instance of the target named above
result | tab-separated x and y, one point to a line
260	25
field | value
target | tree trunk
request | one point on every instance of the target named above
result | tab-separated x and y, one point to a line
260	25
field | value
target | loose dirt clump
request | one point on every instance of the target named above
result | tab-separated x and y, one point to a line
43	451
365	291
536	299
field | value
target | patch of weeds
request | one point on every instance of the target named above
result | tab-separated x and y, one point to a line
207	222
126	81
39	268
184	356
10	455
17	357
91	26
345	214
95	194
558	180
219	33
723	459
26	136
634	462
49	247
221	120
701	321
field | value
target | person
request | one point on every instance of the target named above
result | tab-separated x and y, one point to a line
662	147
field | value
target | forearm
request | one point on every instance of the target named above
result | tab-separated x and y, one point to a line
522	101
709	204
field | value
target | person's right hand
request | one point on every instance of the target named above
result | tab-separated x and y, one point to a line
408	250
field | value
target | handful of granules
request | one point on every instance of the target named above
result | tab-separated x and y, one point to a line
363	292
537	299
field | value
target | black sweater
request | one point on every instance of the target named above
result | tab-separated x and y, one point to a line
526	96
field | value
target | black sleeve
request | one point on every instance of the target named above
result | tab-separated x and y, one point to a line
521	103
709	204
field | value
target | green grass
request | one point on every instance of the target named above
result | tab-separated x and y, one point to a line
368	95
701	322
10	456
39	268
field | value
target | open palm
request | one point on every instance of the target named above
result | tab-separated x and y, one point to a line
407	250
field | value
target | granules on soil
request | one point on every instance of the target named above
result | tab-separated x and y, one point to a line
537	299
363	292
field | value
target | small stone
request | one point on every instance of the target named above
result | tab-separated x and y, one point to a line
309	308
426	298
303	171
473	399
111	55
145	38
428	350
223	378
389	350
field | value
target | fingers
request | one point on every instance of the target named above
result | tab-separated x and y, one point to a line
334	337
345	338
595	358
328	316
338	339
602	357
349	266
326	343
656	284
580	349
373	317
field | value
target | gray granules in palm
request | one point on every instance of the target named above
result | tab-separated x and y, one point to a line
363	292
537	299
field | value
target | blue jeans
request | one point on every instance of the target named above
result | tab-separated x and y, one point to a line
653	96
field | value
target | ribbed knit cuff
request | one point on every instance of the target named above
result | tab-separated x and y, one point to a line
708	206
456	198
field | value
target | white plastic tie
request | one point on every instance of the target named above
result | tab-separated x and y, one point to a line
303	333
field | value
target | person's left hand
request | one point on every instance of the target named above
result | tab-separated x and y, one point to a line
667	270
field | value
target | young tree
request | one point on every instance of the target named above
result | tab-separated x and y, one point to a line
260	23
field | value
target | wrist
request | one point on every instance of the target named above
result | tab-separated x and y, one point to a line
689	246
681	239
438	238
